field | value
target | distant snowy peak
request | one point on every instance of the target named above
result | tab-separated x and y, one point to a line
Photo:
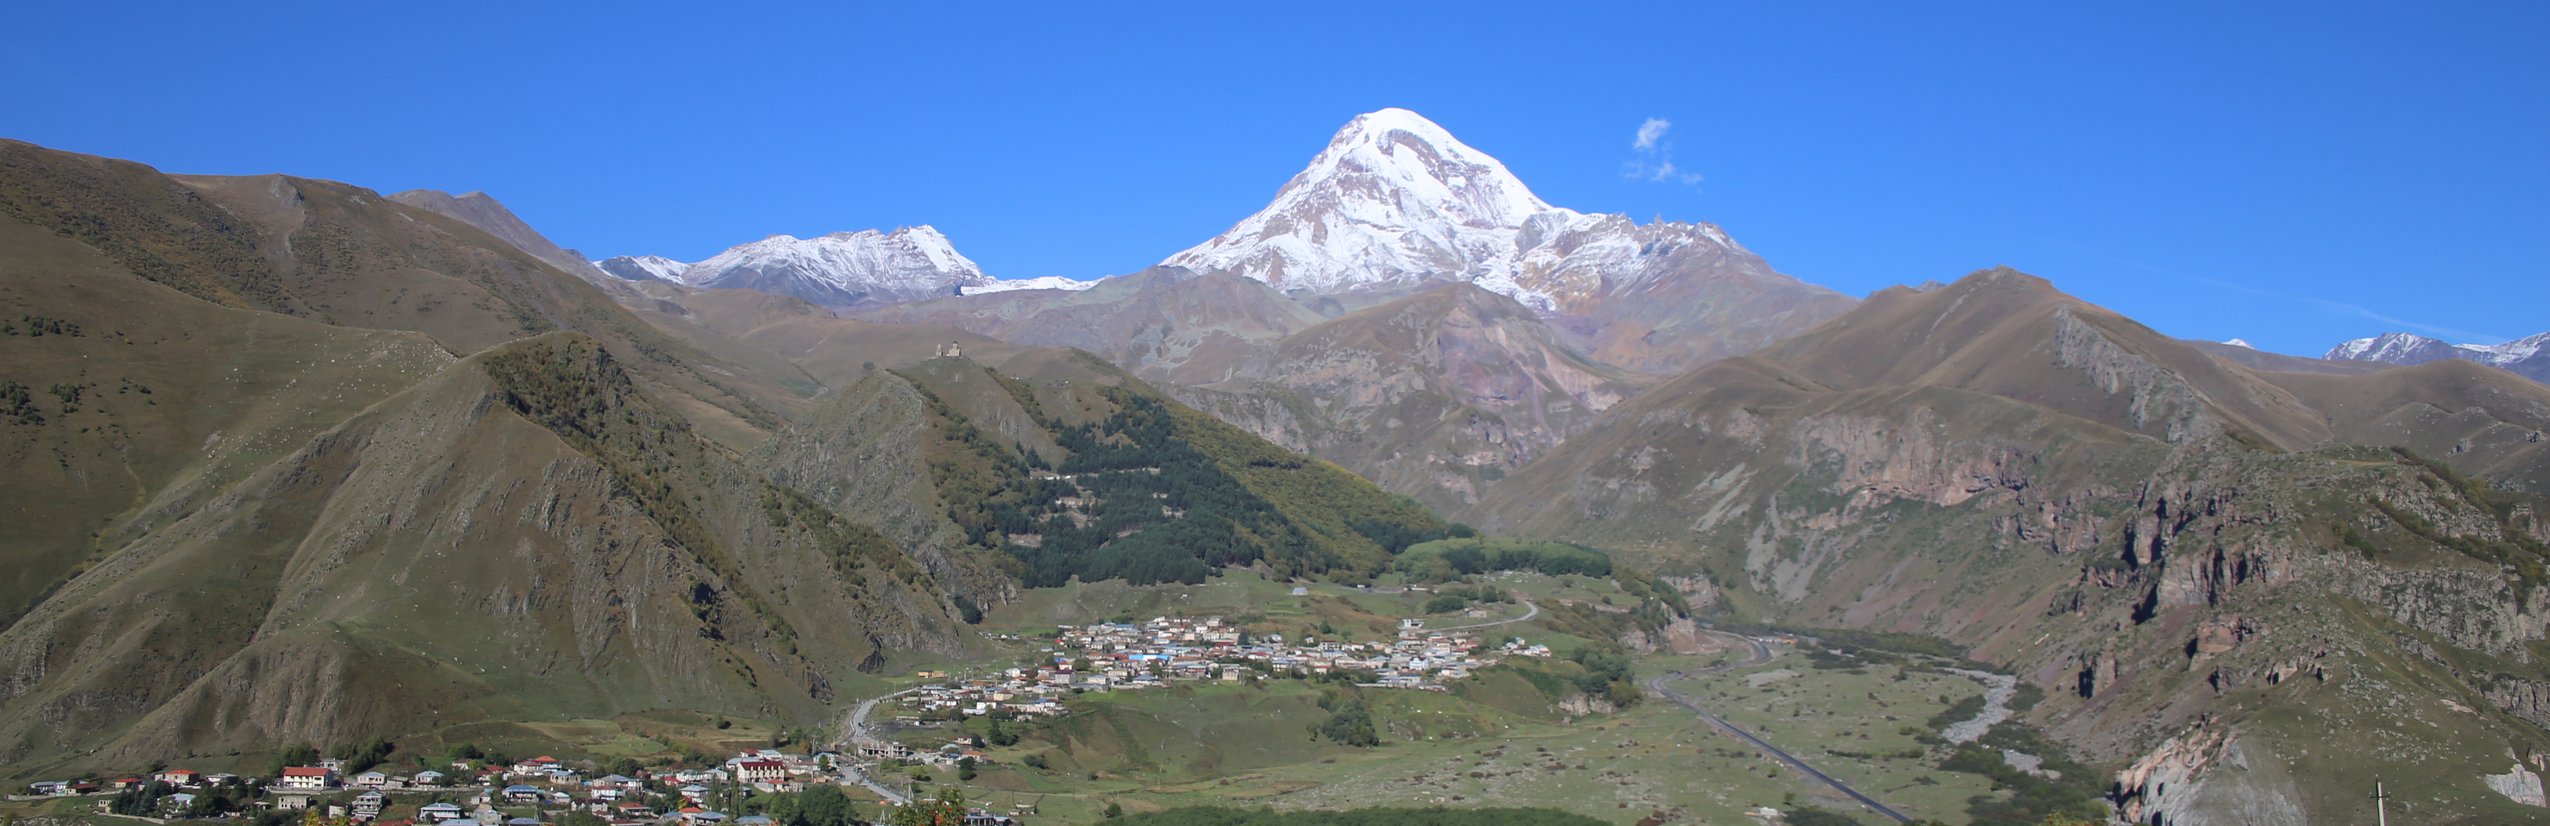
2241	343
1399	153
2393	348
1048	282
1395	199
844	268
2521	349
643	268
2523	356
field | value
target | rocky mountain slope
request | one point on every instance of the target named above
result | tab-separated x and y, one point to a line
1437	393
1395	200
2208	566
2528	357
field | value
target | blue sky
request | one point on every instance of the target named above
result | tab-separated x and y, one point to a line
2295	174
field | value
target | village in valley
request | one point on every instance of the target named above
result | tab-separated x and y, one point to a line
538	791
1126	656
475	789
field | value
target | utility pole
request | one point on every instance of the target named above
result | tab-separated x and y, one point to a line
2381	805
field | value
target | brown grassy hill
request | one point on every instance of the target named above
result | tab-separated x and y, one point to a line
125	404
2186	554
835	351
2013	335
525	536
2484	421
2281	363
480	210
1164	323
346	256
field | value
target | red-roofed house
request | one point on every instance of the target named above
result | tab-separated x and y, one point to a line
760	771
306	778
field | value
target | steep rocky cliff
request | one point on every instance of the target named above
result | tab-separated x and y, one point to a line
2175	547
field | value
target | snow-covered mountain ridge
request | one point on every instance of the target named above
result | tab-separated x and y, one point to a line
643	268
839	269
1042	282
2523	356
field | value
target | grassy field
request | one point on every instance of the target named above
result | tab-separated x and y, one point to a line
1498	740
1493	744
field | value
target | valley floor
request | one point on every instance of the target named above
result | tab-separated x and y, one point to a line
1212	744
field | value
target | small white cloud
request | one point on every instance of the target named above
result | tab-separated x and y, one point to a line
1654	161
1651	132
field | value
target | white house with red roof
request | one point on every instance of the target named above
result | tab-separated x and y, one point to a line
306	778
760	771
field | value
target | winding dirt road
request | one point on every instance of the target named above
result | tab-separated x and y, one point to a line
853	731
1526	617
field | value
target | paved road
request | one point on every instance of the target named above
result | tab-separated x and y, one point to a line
856	729
1761	654
1526	617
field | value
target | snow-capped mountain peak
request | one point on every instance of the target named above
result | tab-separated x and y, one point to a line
844	268
643	268
1429	169
2241	343
1395	199
2516	350
2396	348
